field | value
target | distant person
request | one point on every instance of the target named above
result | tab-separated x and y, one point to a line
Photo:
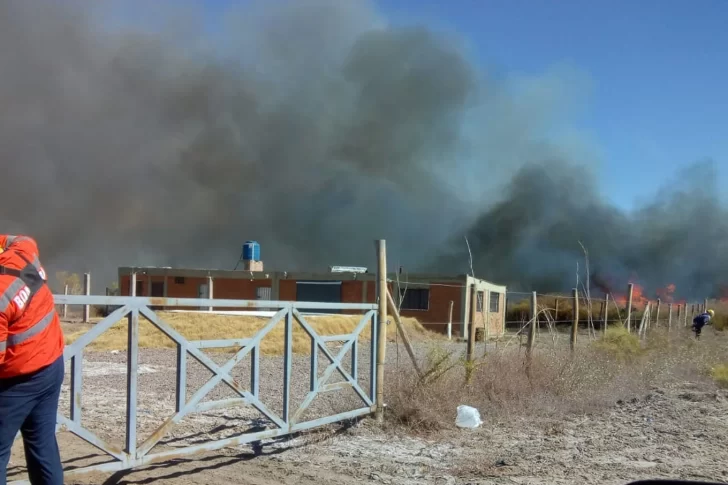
702	320
31	362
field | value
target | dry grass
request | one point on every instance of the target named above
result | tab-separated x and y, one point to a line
594	378
520	310
200	326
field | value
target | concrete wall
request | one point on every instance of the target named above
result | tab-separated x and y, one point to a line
495	319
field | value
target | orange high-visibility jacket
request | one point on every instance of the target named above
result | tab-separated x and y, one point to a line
30	330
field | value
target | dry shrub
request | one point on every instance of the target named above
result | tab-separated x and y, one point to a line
556	383
619	343
501	388
720	374
419	403
720	322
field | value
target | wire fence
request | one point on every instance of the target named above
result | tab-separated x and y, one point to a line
590	309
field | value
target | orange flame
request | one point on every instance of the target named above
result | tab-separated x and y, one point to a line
640	300
665	294
638	297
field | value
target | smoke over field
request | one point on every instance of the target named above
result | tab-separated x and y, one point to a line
139	135
674	246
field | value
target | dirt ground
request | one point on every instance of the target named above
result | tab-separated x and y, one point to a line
676	432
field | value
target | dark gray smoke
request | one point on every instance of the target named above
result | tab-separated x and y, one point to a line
312	127
321	133
531	238
138	134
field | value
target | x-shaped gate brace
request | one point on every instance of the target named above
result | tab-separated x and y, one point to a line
335	365
133	455
220	374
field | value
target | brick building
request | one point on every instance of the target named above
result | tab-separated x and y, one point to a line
422	296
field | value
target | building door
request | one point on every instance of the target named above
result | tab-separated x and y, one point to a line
202	292
263	293
157	290
319	291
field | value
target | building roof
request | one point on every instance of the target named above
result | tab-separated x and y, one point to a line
410	278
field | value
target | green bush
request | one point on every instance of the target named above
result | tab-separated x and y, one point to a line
619	343
720	322
719	373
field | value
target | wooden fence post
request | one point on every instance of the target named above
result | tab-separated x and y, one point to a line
630	289
679	313
642	330
605	317
705	305
382	330
210	292
403	333
87	292
685	314
64	310
648	319
449	320
532	328
669	316
486	321
471	332
575	319
657	313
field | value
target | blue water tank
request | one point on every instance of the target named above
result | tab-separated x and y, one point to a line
251	251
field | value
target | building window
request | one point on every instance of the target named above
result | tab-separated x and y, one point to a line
415	299
262	293
179	280
481	297
494	302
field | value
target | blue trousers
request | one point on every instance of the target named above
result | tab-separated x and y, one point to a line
29	404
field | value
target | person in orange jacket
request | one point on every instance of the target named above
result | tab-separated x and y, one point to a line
31	361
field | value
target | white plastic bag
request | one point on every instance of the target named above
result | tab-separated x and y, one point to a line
468	417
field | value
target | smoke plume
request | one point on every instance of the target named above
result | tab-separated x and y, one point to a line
531	237
135	135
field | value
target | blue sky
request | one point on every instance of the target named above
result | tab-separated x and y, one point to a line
658	72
